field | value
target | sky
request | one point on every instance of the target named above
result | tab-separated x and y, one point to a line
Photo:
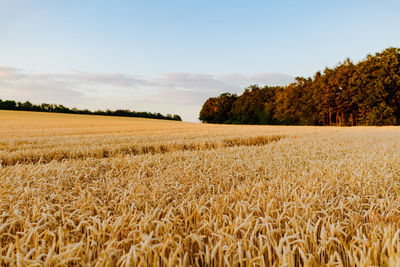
170	56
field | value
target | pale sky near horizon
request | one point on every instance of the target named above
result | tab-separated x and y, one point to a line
170	56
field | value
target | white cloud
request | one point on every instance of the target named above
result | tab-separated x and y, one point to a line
192	81
261	78
182	93
9	73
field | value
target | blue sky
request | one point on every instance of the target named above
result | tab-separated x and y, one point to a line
170	56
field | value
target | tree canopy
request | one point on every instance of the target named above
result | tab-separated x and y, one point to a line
366	93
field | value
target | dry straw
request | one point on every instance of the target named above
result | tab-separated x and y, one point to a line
96	191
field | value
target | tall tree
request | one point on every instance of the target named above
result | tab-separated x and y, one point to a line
366	93
216	109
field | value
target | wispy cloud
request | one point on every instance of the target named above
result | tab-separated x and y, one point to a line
192	81
261	78
181	93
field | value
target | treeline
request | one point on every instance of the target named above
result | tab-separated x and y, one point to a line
27	106
366	93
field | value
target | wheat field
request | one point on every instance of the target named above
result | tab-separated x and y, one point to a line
103	191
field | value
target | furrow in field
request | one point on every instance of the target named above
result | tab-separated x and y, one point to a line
59	153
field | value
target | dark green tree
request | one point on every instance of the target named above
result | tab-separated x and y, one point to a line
366	93
216	109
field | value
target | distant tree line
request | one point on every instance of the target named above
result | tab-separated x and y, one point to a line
366	93
27	106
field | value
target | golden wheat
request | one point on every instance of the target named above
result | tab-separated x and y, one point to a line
103	191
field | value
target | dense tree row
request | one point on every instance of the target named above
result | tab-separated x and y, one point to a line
27	106
366	93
